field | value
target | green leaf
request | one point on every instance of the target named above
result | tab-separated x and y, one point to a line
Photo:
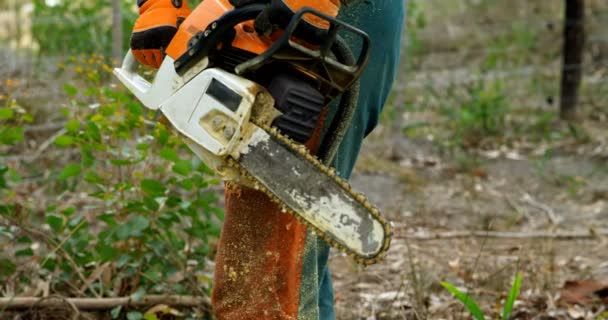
70	89
162	134
513	293
122	260
182	167
153	275
168	154
133	227
468	302
134	107
151	203
142	146
11	135
106	251
108	217
92	177
122	232
14	175
68	211
6	113
138	224
121	162
64	141
76	221
73	126
7	267
23	239
3	170
86	156
71	170
150	316
134	315
27	252
152	187
92	131
115	312
187	184
138	294
55	222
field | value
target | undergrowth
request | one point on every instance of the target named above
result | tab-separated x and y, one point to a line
116	205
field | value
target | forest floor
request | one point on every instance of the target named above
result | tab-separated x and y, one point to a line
476	225
473	206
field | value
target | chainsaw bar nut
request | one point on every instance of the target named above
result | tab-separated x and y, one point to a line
228	132
216	123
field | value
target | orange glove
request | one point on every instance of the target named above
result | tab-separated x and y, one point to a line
157	24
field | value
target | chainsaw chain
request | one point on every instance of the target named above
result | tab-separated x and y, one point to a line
303	152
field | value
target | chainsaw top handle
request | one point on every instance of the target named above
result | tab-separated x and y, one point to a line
319	61
221	31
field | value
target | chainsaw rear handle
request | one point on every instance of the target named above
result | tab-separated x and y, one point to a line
150	94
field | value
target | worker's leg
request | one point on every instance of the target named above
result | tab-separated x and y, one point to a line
259	260
376	83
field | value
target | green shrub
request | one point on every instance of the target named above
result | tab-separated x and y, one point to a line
127	195
482	113
72	27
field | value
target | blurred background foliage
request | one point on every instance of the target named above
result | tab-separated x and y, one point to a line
62	27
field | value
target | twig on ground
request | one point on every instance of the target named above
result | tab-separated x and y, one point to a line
526	198
94	276
47	143
519	210
51	154
45	127
16	303
55	247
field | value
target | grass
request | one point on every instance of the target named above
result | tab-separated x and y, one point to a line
471	305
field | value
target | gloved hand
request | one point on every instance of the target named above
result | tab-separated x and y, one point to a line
278	13
157	24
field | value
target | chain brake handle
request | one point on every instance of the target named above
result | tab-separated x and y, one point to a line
220	31
317	61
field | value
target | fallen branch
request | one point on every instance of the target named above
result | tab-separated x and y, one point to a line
51	154
17	303
50	243
51	126
526	198
44	145
563	235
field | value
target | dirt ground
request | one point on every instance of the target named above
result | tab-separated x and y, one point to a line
499	195
477	214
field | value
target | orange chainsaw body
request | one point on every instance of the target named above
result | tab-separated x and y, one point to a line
246	38
206	13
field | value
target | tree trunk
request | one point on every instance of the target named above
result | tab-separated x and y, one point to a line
116	32
574	42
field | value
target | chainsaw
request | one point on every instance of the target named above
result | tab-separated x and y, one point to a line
245	104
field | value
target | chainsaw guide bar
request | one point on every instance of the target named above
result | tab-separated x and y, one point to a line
314	192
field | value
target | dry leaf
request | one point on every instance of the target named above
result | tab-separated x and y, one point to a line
584	292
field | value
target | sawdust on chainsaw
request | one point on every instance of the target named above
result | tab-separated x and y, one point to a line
263	110
248	248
